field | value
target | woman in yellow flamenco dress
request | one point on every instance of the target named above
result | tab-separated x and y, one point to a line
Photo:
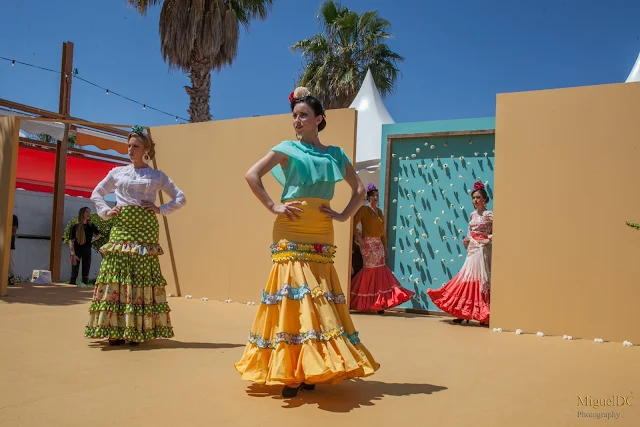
302	334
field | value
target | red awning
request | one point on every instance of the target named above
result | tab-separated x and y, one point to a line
36	171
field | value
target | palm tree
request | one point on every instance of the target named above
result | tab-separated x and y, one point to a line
337	59
199	36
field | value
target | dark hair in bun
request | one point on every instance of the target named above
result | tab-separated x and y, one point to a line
482	192
303	95
478	187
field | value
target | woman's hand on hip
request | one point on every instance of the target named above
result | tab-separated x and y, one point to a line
113	212
333	214
288	209
148	206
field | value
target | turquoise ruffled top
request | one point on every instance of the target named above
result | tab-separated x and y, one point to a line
310	171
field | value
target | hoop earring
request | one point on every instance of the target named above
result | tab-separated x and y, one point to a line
146	158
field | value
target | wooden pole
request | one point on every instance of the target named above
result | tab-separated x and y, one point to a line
9	131
165	221
57	216
50	116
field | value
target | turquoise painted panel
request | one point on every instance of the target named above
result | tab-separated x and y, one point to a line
428	127
430	202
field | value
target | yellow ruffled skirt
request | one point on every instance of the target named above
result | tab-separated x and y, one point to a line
303	331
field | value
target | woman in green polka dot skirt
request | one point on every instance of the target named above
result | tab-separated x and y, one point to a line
129	301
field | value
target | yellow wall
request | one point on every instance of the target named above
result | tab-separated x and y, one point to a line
8	161
221	238
566	181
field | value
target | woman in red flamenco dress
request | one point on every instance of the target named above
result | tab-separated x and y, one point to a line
374	288
467	295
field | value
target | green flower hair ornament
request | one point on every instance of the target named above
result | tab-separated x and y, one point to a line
634	225
137	130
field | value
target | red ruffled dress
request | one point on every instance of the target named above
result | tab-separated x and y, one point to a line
467	295
375	288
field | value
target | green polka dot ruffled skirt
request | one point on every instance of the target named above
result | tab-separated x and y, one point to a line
129	300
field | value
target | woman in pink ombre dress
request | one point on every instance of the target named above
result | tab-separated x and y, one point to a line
374	288
467	295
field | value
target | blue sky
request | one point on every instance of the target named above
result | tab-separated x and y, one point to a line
459	54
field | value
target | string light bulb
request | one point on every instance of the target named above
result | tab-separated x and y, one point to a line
75	73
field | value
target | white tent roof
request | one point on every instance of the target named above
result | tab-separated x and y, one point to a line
34	127
634	75
372	114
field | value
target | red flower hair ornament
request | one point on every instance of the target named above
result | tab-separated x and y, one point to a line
300	92
478	186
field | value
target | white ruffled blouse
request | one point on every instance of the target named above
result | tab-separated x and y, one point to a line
132	186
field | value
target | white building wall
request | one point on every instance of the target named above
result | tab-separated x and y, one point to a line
34	217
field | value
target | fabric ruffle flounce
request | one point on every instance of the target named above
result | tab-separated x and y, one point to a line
301	161
134	248
462	299
302	331
129	300
375	289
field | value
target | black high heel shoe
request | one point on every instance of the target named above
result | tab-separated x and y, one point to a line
459	320
309	387
290	391
116	342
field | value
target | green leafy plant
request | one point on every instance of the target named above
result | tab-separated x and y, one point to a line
15	280
634	225
103	226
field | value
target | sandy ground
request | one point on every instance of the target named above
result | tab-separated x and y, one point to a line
433	373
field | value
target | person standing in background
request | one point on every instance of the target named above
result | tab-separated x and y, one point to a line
83	234
12	261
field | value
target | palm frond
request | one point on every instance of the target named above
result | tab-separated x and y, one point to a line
337	59
198	36
142	6
231	39
248	10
